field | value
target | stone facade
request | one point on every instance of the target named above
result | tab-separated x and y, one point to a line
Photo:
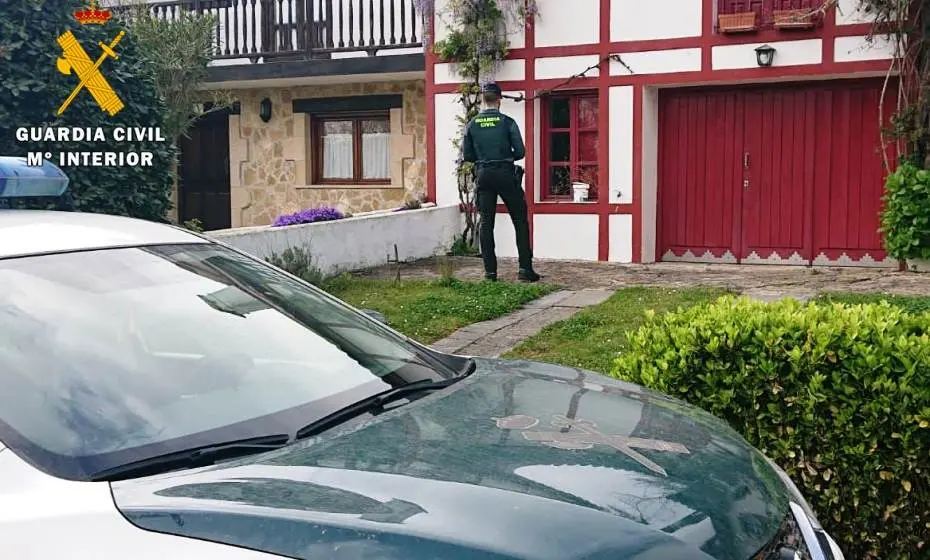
270	162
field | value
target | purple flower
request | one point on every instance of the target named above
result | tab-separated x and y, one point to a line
308	216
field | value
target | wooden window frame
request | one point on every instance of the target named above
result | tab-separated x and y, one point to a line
574	130
316	127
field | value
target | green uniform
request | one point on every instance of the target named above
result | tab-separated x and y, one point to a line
493	143
493	137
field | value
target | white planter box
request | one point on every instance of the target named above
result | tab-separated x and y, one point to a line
918	265
580	192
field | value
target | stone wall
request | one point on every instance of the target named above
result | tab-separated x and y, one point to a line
270	162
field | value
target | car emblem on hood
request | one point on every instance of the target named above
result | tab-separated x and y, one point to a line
583	434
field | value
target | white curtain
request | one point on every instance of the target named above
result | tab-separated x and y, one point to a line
376	156
337	156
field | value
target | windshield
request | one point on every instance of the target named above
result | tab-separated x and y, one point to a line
113	356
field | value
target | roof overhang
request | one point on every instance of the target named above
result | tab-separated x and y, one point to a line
309	72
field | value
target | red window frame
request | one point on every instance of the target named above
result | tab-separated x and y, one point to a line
317	141
575	130
764	8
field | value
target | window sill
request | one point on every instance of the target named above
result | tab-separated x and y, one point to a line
331	186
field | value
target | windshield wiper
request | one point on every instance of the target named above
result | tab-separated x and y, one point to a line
375	403
470	366
210	454
191	458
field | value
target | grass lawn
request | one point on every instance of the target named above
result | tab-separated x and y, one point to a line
910	304
428	310
594	336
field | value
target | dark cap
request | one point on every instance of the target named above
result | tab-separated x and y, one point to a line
491	87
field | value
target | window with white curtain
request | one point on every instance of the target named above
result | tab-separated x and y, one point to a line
353	149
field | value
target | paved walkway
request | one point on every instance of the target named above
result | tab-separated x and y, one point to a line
764	281
495	337
587	283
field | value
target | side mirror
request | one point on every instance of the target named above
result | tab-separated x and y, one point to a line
375	315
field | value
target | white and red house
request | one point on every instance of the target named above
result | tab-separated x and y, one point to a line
700	153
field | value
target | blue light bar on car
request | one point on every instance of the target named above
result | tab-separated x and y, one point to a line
19	180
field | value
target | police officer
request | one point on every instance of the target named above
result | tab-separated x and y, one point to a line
493	143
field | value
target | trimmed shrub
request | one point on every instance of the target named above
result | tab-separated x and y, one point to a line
838	396
905	218
299	262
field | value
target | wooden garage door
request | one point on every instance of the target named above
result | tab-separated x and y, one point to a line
788	174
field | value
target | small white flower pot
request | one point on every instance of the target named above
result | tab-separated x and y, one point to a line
580	192
918	265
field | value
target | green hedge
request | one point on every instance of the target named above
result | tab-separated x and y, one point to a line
905	217
838	396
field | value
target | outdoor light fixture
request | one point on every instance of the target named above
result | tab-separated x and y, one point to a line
264	110
765	55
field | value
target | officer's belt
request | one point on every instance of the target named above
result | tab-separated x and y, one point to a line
496	163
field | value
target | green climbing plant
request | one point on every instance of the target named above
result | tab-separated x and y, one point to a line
477	44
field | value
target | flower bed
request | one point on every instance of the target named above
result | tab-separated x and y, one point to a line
308	216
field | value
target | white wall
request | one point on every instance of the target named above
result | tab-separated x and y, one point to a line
620	131
850	12
650	174
505	240
642	20
510	70
358	242
565	236
566	66
787	53
447	107
658	62
620	247
561	22
855	49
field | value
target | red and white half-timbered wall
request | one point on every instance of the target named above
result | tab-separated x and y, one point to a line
699	154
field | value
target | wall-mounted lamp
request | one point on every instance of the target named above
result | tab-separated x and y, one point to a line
264	110
765	55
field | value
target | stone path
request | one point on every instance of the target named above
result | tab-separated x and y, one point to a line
588	283
764	281
497	336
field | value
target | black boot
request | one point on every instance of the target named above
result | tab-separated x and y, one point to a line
490	276
528	275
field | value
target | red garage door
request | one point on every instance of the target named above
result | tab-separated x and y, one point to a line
787	174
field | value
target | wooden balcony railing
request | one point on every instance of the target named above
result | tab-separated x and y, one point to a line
300	29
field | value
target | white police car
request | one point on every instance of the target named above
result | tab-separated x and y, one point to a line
165	396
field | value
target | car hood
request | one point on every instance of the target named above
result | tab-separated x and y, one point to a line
519	460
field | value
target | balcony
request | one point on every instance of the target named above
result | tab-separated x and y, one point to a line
252	31
745	16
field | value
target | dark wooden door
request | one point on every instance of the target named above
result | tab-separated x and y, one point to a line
203	186
788	174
